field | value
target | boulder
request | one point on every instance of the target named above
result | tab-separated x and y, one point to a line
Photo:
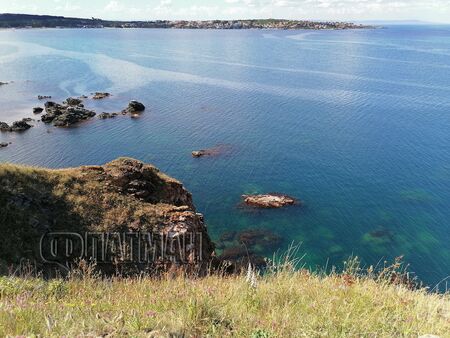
134	107
37	110
268	201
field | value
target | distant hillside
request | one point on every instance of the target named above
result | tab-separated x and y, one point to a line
47	21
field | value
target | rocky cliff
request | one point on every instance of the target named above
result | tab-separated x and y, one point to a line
54	217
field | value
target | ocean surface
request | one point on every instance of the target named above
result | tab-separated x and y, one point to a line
354	123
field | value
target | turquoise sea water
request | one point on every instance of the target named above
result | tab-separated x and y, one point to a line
354	123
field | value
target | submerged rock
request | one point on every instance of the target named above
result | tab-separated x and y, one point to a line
269	200
99	96
262	238
134	107
37	110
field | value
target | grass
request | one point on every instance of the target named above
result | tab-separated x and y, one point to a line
282	303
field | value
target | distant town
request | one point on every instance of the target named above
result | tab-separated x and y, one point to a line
47	21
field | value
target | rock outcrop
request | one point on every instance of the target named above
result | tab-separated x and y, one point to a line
65	115
269	201
124	196
37	110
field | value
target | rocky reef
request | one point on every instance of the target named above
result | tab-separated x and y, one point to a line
124	196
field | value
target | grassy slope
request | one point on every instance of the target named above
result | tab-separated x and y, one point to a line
285	304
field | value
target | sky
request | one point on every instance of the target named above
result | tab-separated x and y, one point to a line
339	10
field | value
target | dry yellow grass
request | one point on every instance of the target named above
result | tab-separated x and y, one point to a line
284	304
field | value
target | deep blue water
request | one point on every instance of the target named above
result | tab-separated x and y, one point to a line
354	123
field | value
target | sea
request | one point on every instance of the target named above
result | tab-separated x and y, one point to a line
353	123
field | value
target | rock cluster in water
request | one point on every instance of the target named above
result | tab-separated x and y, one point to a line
268	201
21	125
44	97
63	115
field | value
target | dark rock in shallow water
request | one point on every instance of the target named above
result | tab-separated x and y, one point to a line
37	110
269	201
44	97
99	96
71	101
134	107
3	83
107	115
3	145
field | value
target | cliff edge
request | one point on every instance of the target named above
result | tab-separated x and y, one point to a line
59	216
